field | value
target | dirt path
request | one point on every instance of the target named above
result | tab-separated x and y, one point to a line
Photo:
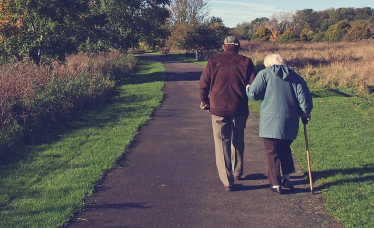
169	178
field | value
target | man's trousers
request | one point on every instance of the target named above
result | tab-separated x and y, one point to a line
228	133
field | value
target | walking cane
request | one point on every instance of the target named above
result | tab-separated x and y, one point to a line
307	154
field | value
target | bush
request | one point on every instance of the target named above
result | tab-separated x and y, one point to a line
30	94
319	37
262	34
287	37
337	31
307	34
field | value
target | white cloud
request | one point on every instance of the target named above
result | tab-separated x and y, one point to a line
253	7
239	14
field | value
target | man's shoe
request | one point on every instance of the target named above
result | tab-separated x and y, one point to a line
278	190
287	184
229	188
237	177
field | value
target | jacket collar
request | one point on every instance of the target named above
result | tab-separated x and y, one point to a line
230	49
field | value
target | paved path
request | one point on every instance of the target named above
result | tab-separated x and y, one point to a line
169	178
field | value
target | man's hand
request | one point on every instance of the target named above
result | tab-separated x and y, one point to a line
205	106
305	118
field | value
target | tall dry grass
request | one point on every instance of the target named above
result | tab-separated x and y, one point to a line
29	93
346	65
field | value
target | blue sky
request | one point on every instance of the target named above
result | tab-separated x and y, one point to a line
235	12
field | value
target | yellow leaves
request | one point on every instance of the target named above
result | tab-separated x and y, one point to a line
19	22
274	35
3	5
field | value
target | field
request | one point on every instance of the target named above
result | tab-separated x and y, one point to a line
346	66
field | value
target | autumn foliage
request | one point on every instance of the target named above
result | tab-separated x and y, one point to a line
308	25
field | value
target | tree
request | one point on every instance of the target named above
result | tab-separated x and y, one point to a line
178	36
129	21
364	13
48	28
188	11
190	27
220	32
285	21
328	17
153	30
359	30
346	13
306	17
55	28
241	31
208	35
245	30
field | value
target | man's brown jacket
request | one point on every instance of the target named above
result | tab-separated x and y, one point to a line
223	82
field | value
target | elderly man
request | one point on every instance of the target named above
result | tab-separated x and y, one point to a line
223	94
285	98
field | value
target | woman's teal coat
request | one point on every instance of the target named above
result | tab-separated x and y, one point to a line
285	96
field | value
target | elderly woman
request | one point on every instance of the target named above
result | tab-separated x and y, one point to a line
285	98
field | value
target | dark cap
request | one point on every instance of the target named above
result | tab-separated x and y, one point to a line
232	40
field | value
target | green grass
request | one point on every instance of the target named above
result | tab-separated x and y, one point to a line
340	137
43	185
191	57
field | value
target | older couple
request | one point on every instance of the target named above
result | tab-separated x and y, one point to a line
226	83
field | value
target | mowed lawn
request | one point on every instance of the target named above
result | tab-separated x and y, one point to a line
340	137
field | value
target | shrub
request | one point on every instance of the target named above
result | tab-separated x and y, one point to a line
319	36
307	34
30	94
262	34
287	37
337	31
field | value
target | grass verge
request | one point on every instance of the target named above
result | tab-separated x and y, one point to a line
43	185
340	145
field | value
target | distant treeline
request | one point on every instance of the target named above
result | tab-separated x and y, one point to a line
348	24
46	30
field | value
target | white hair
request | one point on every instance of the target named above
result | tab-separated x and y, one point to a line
274	59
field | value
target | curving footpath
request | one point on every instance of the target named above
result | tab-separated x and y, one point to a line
169	177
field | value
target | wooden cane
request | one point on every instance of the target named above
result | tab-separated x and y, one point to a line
308	156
